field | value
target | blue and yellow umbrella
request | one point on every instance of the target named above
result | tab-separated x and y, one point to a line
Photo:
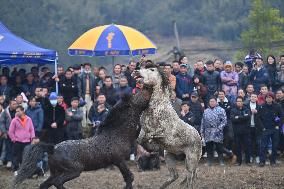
112	40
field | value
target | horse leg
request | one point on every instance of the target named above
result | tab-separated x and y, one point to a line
126	173
64	177
191	163
171	165
47	183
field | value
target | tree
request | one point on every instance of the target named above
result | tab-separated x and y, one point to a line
265	27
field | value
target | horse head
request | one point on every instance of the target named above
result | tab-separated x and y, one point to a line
154	76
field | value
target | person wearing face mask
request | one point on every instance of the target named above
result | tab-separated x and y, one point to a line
54	121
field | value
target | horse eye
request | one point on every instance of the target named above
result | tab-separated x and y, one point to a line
152	69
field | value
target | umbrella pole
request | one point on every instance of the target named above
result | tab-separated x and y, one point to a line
112	61
55	65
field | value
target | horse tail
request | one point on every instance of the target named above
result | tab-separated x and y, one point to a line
32	155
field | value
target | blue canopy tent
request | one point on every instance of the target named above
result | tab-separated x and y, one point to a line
15	50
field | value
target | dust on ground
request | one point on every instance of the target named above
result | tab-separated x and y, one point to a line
244	177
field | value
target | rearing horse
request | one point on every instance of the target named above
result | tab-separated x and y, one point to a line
162	125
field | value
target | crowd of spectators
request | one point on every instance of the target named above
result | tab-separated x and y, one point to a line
236	107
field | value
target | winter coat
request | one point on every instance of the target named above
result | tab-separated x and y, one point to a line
184	84
197	110
241	120
212	81
243	80
6	91
54	114
4	122
229	82
272	72
258	78
268	115
36	114
110	95
212	124
226	105
20	133
93	113
82	80
29	89
10	115
188	118
74	124
279	81
68	88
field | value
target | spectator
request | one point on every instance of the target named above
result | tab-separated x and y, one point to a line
171	77
271	118
184	84
87	90
199	87
200	69
229	80
128	73
249	90
254	132
60	72
99	116
272	71
281	58
197	109
35	112
101	99
21	132
17	87
68	87
11	112
224	103
213	122
279	81
54	117
74	118
117	74
101	78
176	102
5	89
184	60
30	86
3	102
109	91
243	76
96	72
6	72
123	88
261	97
20	101
218	65
259	75
185	114
4	124
242	94
240	116
250	58
279	99
61	102
211	79
176	67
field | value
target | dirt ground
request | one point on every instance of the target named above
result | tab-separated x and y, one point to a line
243	177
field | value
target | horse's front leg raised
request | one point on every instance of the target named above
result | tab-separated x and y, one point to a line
171	165
126	173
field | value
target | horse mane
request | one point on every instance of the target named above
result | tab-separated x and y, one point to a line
110	121
165	80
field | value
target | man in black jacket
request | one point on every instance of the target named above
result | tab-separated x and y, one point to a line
271	117
240	116
211	79
197	110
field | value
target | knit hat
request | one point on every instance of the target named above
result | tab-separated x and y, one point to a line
270	94
53	96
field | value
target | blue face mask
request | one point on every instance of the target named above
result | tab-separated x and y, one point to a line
53	102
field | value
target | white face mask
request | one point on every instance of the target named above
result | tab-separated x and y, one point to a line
53	102
87	71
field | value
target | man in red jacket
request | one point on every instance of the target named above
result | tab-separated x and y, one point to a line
21	132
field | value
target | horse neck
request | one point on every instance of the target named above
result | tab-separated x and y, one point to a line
159	94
